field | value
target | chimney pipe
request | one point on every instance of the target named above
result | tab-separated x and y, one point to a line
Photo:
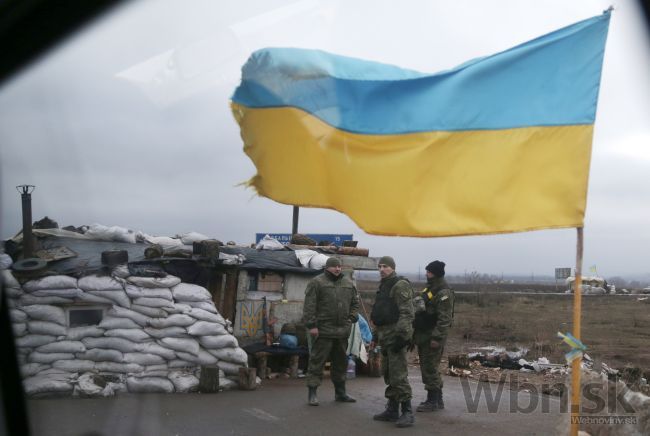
28	237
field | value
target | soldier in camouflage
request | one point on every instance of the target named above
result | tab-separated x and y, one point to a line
392	316
431	326
331	306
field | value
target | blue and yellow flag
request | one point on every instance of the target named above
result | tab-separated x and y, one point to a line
498	144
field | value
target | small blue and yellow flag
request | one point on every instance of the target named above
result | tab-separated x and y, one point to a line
498	144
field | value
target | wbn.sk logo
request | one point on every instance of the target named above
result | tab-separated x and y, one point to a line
597	398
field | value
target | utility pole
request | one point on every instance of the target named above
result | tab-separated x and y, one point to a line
28	237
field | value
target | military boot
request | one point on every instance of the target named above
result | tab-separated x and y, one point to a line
391	414
430	404
312	399
406	419
439	403
340	395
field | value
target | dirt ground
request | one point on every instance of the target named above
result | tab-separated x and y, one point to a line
615	329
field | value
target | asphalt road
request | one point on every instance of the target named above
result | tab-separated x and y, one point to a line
279	408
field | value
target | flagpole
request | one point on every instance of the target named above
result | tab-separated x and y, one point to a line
294	226
577	311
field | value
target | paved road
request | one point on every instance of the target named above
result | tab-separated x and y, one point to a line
279	408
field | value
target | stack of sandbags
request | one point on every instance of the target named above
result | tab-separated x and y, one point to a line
155	334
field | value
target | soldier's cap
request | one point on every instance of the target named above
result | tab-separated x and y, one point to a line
388	261
437	268
332	261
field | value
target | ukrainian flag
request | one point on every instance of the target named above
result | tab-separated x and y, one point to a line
498	144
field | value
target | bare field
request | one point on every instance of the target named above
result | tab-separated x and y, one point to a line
615	328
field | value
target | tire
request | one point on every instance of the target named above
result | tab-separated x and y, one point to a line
30	264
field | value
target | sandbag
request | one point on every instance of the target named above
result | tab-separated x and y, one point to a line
86	386
229	368
87	297
205	305
99	283
118	367
154	282
100	232
14	293
190	346
153	302
149	385
157	367
46	328
30	369
17	315
9	280
167	332
150	312
202	358
159	350
217	342
51	282
37	357
176	320
30	300
118	297
204	315
187	292
134	292
205	328
126	313
190	238
183	382
78	333
20	328
46	313
121	271
164	293
111	322
41	385
135	335
74	365
33	341
143	358
147	373
233	355
178	308
62	347
66	293
178	363
120	344
101	355
227	384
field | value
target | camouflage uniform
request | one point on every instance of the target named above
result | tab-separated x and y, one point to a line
433	324
394	366
331	305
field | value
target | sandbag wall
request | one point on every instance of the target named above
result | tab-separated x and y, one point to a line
154	336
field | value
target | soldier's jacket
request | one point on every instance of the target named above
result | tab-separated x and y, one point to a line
331	304
437	317
400	291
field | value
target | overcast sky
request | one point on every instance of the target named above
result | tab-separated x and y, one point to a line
128	123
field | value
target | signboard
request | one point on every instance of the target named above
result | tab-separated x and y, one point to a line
285	238
562	273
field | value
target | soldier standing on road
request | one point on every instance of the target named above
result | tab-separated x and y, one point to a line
431	327
331	306
392	316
